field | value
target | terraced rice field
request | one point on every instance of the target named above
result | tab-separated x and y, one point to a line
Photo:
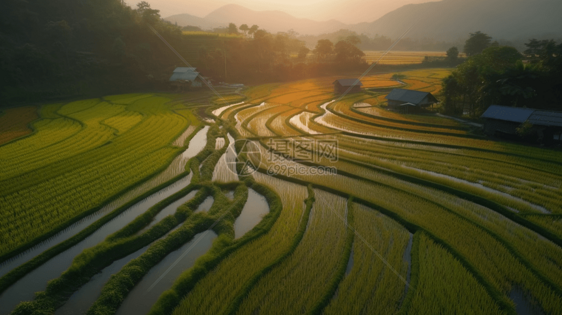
400	57
361	210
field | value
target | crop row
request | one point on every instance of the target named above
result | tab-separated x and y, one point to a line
377	273
242	265
543	254
344	107
39	200
445	286
534	187
503	266
92	135
116	246
123	282
301	281
48	132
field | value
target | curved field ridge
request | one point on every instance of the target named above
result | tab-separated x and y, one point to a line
370	211
46	185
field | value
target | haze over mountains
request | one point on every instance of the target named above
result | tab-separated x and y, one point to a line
444	20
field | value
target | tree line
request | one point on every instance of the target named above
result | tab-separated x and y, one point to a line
262	56
67	48
501	75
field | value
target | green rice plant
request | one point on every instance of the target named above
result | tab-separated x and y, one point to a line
372	286
123	282
544	255
358	128
445	286
69	188
536	188
508	160
305	273
551	223
117	245
441	221
247	263
123	122
186	282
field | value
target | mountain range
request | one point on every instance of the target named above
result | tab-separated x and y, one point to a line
443	20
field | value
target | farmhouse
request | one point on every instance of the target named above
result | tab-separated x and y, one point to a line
186	76
544	126
343	85
409	100
398	98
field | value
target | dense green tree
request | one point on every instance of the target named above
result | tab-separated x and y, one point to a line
244	28
476	43
324	48
232	28
347	53
453	54
464	89
498	76
148	15
253	29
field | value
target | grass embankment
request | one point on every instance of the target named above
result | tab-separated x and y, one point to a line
219	218
208	262
242	268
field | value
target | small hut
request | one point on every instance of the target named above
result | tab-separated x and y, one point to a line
504	120
409	100
185	77
543	126
343	85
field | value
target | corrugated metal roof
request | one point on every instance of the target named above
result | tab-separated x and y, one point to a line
184	73
185	69
513	114
409	96
546	118
349	82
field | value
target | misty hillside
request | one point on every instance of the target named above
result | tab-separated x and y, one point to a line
447	20
453	19
272	21
188	19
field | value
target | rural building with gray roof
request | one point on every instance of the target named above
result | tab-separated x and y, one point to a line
347	85
187	74
504	121
400	99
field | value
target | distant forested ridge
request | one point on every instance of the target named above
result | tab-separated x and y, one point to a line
54	48
68	48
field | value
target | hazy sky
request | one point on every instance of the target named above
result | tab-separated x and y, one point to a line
347	11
